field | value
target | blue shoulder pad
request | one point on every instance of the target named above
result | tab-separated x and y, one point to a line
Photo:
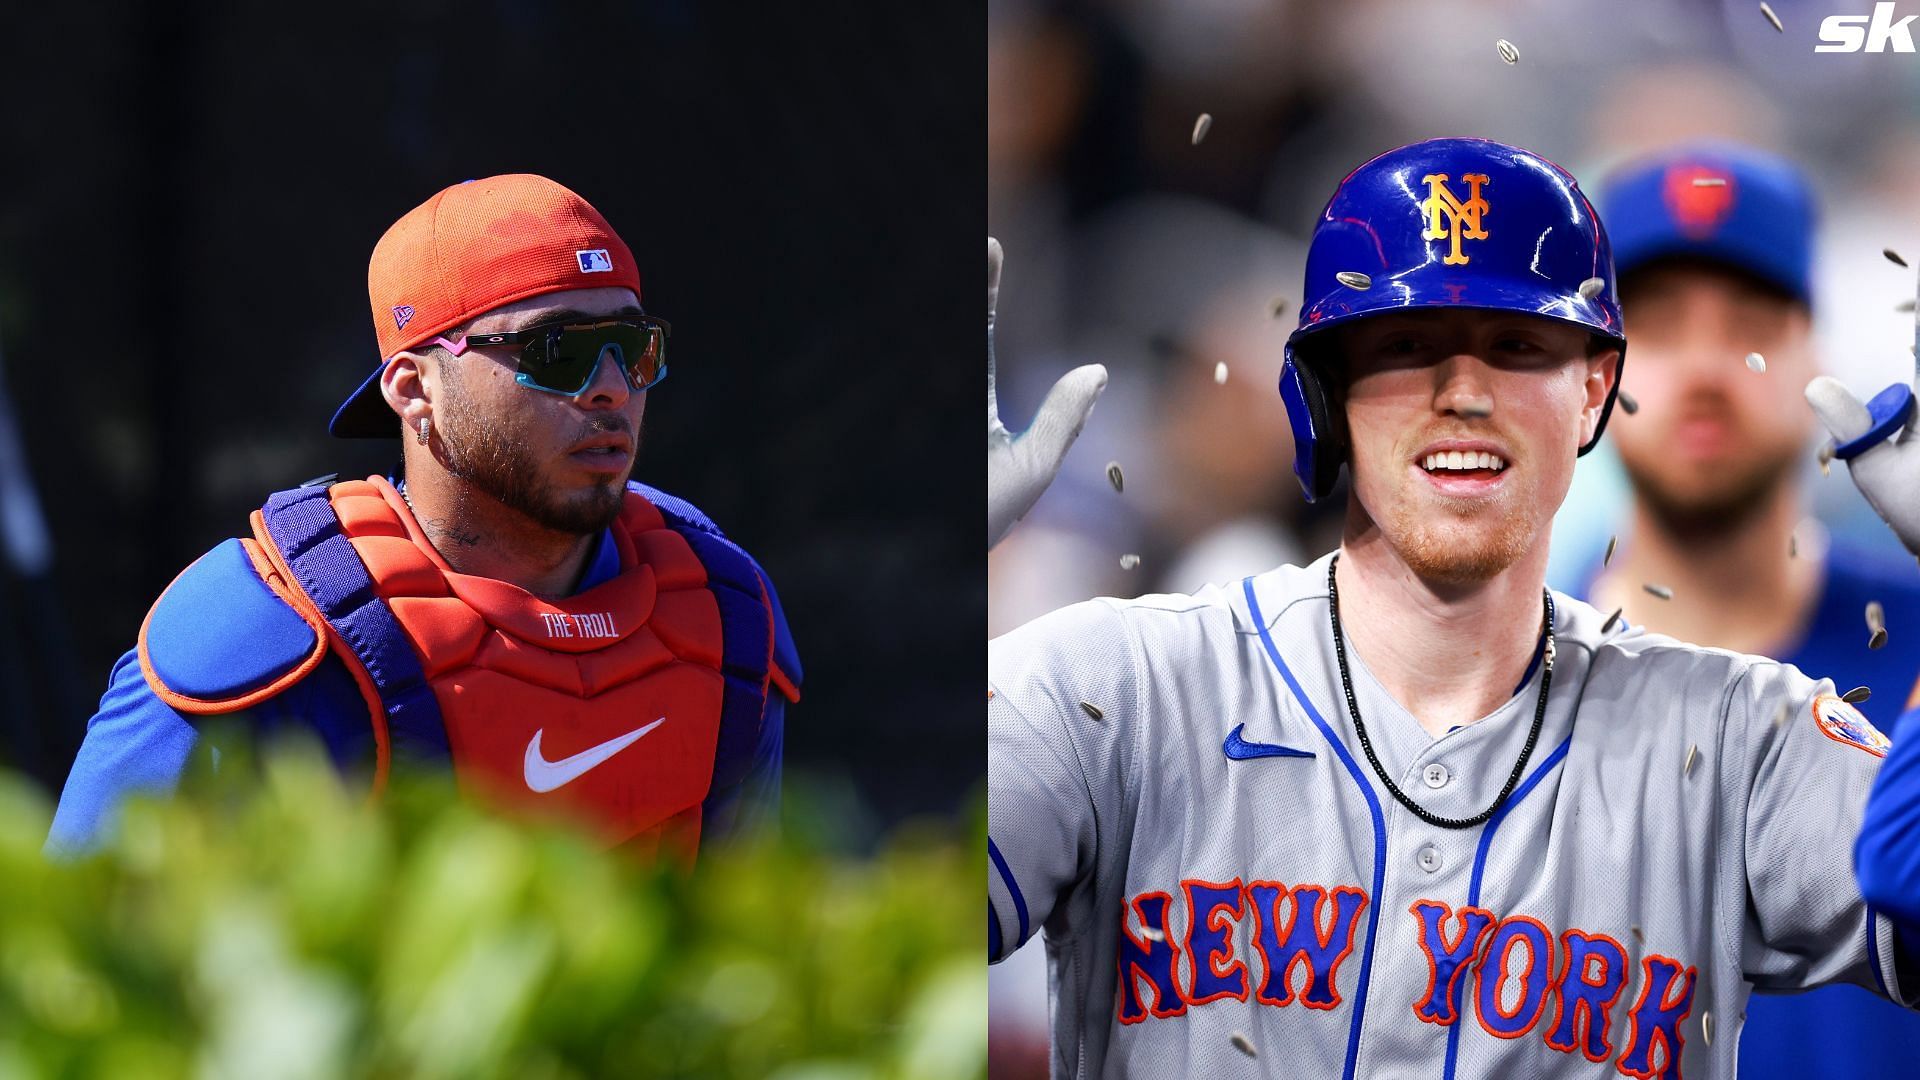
220	634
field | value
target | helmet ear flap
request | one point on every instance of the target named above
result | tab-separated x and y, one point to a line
1319	426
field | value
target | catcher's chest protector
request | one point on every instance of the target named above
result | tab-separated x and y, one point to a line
606	705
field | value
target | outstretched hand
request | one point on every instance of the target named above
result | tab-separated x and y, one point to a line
1877	440
1021	465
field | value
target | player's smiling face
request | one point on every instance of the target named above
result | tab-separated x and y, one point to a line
1464	427
561	461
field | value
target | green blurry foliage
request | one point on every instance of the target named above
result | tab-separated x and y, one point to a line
271	923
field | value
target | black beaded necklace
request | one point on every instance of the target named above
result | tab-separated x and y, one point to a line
1366	744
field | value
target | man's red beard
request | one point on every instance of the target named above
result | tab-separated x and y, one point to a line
1460	552
1455	549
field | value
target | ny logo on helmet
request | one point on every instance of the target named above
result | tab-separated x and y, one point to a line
1463	218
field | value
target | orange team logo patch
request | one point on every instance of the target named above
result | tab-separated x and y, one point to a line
1462	219
1698	208
1841	722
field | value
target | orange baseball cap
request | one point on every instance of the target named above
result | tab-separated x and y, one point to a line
469	249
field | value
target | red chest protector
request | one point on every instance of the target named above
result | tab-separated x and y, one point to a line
609	706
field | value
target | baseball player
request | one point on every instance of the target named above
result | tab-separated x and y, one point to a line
1713	245
506	604
1403	811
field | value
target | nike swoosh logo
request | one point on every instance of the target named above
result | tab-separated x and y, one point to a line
544	775
1240	749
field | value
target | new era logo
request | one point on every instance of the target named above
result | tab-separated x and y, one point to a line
402	315
594	262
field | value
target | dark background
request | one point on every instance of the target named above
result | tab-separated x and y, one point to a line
190	194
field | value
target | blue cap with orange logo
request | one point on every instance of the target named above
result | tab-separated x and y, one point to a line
1717	201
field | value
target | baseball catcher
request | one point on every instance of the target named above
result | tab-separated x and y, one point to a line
506	604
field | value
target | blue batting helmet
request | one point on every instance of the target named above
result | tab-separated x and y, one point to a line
1466	223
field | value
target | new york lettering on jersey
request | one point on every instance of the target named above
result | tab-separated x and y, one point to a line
1508	974
1197	895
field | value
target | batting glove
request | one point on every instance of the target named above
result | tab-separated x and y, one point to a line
1020	466
1877	440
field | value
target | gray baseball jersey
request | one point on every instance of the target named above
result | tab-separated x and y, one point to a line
1226	888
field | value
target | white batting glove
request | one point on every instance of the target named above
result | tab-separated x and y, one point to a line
1020	466
1877	440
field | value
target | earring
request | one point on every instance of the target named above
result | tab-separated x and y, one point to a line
425	424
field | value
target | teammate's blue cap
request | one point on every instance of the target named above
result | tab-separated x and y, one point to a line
1718	201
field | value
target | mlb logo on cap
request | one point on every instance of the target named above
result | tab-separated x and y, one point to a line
594	261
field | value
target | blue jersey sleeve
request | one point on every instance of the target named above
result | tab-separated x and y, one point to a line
134	743
217	639
1886	857
138	744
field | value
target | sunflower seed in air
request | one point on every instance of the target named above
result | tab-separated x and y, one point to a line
1278	307
1115	477
1878	639
1354	279
1660	591
1608	557
1220	373
1825	457
1771	17
1507	52
1793	546
1904	307
1243	1044
1638	936
1607	627
1706	1028
1756	363
1201	126
1593	287
1876	624
1893	257
1856	695
1152	933
1129	561
1692	752
1627	403
1093	711
1709	181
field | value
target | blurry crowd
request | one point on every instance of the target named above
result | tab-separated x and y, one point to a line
1175	262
